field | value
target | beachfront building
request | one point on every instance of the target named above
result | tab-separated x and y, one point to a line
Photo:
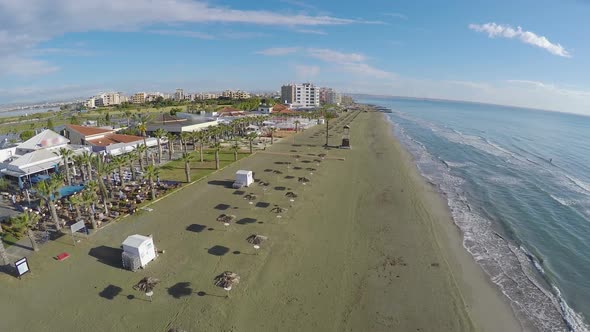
153	96
38	155
177	125
330	96
138	98
106	141
108	99
304	95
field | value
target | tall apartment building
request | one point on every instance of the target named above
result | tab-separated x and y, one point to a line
139	98
301	95
179	95
329	96
90	103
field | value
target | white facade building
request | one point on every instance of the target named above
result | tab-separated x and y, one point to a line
304	95
179	95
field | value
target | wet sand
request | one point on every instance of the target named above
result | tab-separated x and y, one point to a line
366	246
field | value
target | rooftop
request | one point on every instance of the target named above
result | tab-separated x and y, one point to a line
88	131
114	139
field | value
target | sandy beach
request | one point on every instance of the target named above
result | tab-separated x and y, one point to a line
367	245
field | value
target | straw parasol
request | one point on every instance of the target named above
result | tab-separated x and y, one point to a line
250	197
303	179
226	219
147	286
278	209
256	240
291	194
227	280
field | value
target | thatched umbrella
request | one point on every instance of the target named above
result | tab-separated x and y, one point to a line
291	194
226	219
263	183
147	286
256	240
278	210
303	179
250	197
227	280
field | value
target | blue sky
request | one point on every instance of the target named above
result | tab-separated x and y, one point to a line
524	53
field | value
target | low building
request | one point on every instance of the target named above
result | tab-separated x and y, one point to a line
238	94
230	111
106	141
37	155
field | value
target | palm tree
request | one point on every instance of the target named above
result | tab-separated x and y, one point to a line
171	138
128	116
66	154
159	133
251	137
87	199
101	171
140	149
297	122
327	115
184	137
216	147
3	254
152	172
187	158
235	148
86	159
142	121
272	130
48	191
201	137
128	160
79	162
119	162
27	220
76	202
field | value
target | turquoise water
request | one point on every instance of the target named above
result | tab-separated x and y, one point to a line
518	186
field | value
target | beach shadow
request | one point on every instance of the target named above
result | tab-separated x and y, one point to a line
218	250
296	168
236	252
196	228
107	255
201	293
280	188
268	170
110	291
9	270
222	207
239	192
279	162
289	177
262	205
55	235
245	221
222	183
180	289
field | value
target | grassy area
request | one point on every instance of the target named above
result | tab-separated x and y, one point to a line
174	170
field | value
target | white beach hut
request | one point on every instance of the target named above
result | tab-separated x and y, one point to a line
243	179
140	246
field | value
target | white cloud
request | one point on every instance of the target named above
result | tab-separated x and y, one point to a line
301	4
396	15
352	63
329	55
25	24
277	51
183	33
497	30
312	32
306	73
25	66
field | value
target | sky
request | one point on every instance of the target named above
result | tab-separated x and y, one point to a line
523	53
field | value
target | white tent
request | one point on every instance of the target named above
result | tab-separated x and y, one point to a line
243	179
140	246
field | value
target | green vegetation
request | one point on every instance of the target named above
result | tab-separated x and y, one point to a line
175	170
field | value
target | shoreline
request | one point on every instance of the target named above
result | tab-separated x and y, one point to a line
487	305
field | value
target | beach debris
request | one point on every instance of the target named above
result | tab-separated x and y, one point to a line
278	209
322	155
303	179
250	197
291	194
394	261
276	171
435	264
226	280
310	169
226	218
256	239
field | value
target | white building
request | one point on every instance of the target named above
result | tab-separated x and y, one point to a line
108	99
238	94
206	96
304	95
90	103
179	95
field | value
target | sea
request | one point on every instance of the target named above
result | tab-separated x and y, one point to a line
517	183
